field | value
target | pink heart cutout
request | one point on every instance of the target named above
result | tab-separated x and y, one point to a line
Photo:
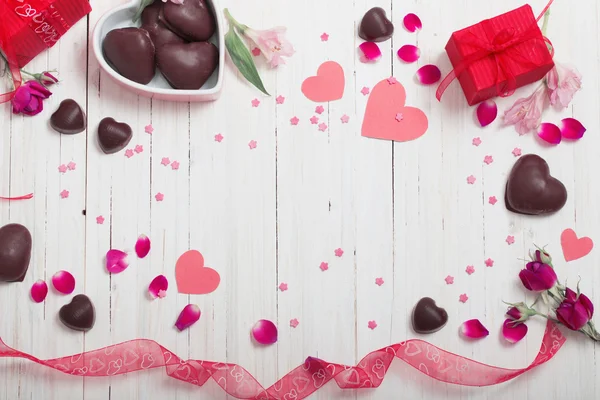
328	85
574	247
388	118
192	277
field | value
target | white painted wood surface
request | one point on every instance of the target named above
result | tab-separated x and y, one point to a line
402	211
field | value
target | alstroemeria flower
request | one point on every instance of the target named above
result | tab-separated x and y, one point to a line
575	311
272	44
563	83
29	98
538	276
526	114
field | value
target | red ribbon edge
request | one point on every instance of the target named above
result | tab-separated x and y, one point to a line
24	197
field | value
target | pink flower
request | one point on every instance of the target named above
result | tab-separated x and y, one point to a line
29	98
575	311
47	79
272	43
563	83
520	312
526	114
538	276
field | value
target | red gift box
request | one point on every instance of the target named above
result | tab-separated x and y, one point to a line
498	55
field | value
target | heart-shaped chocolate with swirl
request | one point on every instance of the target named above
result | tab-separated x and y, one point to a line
193	20
113	136
69	119
427	317
79	314
187	66
15	252
531	190
375	26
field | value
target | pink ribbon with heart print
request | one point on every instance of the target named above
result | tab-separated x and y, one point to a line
142	354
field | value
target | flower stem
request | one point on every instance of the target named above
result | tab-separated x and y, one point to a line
241	27
545	23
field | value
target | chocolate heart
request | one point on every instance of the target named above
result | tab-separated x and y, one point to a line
15	252
375	26
130	52
189	65
79	314
427	317
113	136
193	20
531	190
69	118
159	33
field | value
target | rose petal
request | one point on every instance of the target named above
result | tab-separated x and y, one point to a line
158	284
412	23
116	261
370	50
487	112
513	332
39	291
265	332
188	317
409	53
550	133
142	246
429	74
474	329
572	129
64	282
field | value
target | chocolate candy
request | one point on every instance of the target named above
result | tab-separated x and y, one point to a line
79	314
375	26
189	65
69	118
15	252
193	20
113	136
531	190
131	52
427	317
159	33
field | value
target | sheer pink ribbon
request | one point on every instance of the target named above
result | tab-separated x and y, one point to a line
301	382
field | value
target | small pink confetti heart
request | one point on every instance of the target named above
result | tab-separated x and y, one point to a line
99	219
516	152
255	103
218	138
470	269
345	119
372	325
489	262
283	286
488	160
324	37
449	280
294	322
365	91
280	99
338	252
510	239
71	165
492	200
294	121
463	298
128	153
324	266
476	141
139	148
322	127
159	196
256	52
252	144
471	179
165	161
319	109
149	129
64	194
379	281
175	165
314	120
62	168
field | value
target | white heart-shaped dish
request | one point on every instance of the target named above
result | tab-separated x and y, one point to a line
159	88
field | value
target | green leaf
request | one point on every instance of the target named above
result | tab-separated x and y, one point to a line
241	57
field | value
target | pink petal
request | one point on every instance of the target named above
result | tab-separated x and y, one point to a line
412	23
429	74
370	50
265	332
159	283
550	133
39	290
487	112
572	129
64	282
188	317
116	261
142	246
474	329
513	332
409	53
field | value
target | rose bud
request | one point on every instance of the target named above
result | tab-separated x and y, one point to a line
538	276
542	256
47	79
520	312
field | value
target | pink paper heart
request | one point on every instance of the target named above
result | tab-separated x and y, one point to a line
574	247
327	85
193	277
388	118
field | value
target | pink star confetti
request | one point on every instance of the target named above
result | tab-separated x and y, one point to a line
218	138
159	196
324	266
463	298
365	91
256	52
165	161
280	99
314	120
488	160
345	119
99	219
392	81
489	262
175	165
510	239
161	294
322	127
372	325
62	168
470	269
338	252
128	153
294	322
399	117
471	179
252	144
139	148
492	200
71	165
294	120
476	141
516	152
449	280
149	129
64	194
319	109
283	286
255	103
324	37
379	281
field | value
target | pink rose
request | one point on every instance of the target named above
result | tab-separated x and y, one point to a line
272	44
563	83
526	114
29	98
575	311
538	276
